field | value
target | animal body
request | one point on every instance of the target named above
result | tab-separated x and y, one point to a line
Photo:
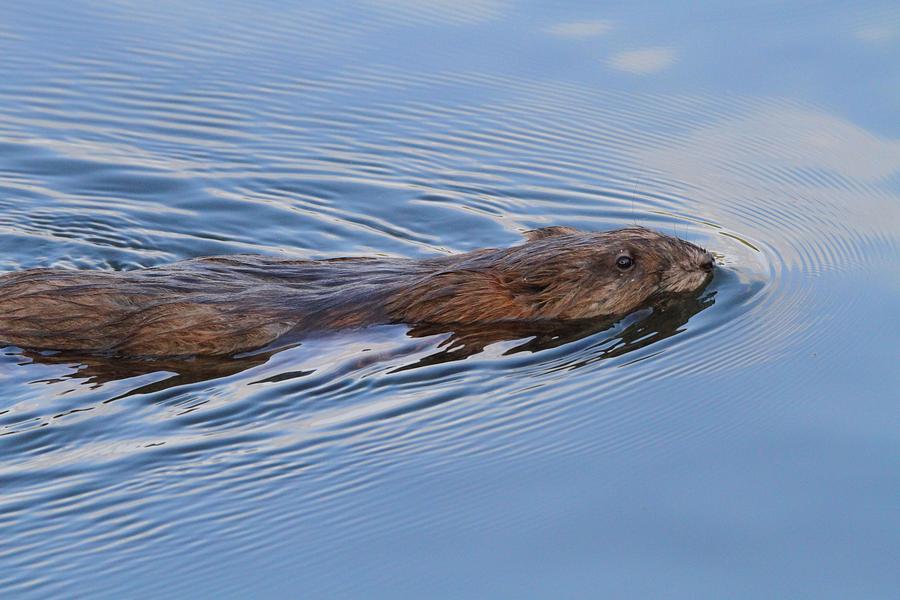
224	305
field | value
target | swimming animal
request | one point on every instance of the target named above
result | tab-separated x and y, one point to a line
225	305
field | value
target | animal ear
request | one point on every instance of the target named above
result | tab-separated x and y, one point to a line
545	232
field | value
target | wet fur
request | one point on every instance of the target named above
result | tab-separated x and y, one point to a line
232	304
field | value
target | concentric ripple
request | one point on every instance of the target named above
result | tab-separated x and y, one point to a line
185	133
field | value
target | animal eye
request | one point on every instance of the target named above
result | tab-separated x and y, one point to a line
624	262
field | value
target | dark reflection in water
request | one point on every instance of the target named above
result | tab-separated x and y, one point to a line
740	443
95	370
664	319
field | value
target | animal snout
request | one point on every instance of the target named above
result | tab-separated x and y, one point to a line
708	263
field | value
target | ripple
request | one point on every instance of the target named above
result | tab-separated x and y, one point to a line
188	134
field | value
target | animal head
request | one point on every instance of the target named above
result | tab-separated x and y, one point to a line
559	273
576	274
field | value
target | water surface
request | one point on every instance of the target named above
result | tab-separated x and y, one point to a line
740	444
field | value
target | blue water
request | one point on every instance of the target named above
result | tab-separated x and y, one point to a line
744	447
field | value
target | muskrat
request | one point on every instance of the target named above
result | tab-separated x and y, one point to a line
226	305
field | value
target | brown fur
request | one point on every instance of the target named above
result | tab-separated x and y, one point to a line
228	305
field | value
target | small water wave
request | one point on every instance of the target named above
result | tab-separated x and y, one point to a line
187	135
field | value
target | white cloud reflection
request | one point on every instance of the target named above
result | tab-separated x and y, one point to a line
644	61
878	33
781	137
877	26
580	29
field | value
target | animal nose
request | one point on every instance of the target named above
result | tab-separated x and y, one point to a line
708	262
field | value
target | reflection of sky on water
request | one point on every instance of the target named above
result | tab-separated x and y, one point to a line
747	455
580	29
442	12
830	54
647	60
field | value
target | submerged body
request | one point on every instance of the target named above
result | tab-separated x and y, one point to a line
232	304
